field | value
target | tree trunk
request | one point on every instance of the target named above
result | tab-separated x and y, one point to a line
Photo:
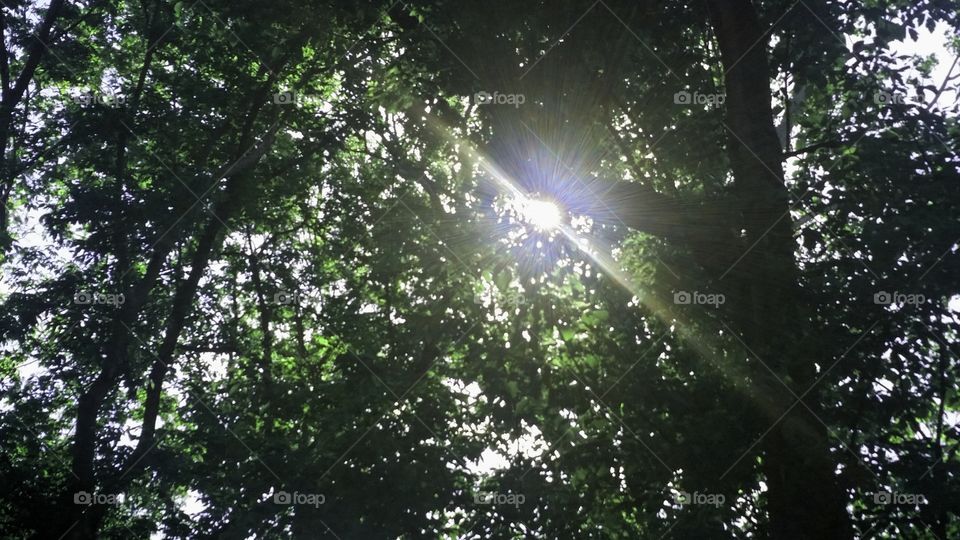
804	500
10	98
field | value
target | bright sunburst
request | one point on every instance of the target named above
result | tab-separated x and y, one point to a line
544	215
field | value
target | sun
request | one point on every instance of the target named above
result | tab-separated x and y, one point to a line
544	215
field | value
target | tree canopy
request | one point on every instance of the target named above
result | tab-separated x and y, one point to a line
501	269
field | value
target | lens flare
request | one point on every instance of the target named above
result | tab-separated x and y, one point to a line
544	215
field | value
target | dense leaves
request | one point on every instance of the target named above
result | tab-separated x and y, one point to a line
265	273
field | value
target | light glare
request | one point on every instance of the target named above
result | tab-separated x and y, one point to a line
544	215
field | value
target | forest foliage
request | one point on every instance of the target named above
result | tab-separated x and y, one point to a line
256	250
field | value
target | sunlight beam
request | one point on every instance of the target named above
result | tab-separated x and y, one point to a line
543	215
